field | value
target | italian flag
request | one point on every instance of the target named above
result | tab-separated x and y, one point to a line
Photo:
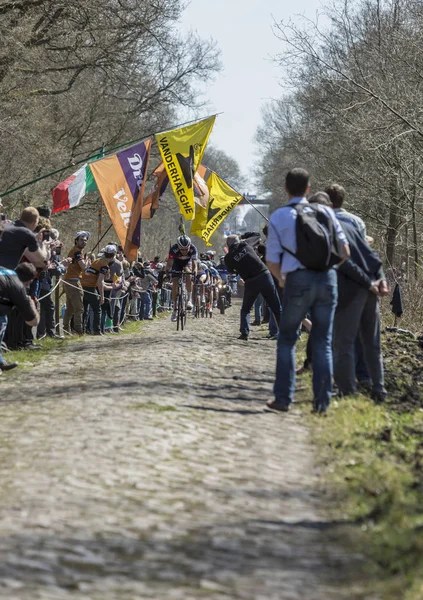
70	192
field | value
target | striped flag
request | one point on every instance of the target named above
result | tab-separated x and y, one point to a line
70	192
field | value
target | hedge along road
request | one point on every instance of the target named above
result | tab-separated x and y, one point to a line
144	466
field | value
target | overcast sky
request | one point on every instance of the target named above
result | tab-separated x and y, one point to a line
242	29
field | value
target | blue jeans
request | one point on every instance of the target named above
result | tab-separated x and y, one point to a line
260	284
361	315
361	370
305	292
3	325
273	324
145	305
257	308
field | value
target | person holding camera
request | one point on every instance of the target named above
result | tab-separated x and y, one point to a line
13	295
54	268
18	238
244	260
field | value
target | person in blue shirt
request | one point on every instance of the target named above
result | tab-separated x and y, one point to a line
305	291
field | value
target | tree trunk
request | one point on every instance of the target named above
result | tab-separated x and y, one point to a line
393	223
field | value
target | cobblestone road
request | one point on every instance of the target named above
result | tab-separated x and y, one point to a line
144	466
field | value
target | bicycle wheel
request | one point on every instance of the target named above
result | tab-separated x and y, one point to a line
179	311
183	312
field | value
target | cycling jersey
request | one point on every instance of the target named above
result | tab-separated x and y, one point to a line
200	273
180	261
214	273
99	267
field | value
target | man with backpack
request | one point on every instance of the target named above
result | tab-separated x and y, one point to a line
305	241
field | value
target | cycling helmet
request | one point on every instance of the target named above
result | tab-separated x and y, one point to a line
210	254
183	242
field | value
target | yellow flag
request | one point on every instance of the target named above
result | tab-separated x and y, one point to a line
222	201
182	150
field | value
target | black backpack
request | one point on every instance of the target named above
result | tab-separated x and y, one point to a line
317	241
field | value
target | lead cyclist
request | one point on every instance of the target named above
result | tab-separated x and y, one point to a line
182	259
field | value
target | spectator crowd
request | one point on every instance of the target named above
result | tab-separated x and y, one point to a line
315	269
98	292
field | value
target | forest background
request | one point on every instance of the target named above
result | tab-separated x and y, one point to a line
75	76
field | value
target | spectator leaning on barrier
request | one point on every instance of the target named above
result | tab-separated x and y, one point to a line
72	284
93	285
54	268
111	306
18	237
243	260
147	281
13	284
307	289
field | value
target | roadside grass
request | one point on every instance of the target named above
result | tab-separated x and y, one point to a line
373	459
28	358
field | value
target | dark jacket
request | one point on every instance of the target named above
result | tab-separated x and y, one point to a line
243	260
360	270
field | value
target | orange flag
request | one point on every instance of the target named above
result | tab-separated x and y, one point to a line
120	181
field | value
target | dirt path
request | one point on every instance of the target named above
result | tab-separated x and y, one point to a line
144	466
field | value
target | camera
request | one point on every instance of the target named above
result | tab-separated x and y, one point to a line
46	236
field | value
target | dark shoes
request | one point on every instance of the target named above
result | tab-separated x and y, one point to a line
31	347
255	323
244	337
272	336
275	405
4	366
379	397
319	410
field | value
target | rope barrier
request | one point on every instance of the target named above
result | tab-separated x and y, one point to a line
82	289
115	299
51	291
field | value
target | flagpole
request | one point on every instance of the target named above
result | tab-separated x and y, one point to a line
102	237
255	208
91	154
100	206
244	198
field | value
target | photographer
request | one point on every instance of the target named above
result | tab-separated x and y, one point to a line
18	238
54	268
13	296
243	259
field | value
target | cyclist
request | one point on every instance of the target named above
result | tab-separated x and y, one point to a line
214	280
182	259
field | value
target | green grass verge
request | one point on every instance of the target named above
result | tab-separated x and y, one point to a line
27	358
374	461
